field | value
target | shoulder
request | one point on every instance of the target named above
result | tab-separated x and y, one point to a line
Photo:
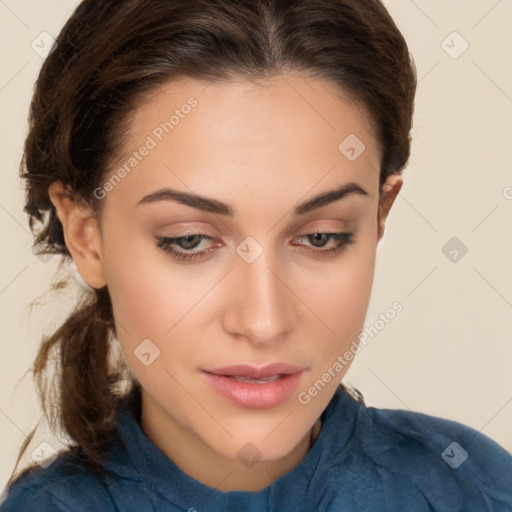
64	485
453	465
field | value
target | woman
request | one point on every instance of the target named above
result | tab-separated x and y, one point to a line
220	173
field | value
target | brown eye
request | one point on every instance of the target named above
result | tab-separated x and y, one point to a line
322	239
184	243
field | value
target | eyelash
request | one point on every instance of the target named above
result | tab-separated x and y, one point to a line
166	244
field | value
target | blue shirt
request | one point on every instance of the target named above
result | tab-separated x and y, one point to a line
365	459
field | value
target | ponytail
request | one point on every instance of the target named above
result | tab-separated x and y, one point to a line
83	397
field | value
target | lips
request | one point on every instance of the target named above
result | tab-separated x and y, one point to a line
252	372
256	388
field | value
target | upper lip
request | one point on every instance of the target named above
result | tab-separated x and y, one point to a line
244	370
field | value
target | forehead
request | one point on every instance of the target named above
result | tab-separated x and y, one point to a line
288	132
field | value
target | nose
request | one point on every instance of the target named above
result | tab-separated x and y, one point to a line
261	304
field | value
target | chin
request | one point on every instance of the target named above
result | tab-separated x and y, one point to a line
250	450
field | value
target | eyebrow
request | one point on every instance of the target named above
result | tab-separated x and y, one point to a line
218	207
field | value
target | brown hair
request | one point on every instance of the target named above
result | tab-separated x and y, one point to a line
109	56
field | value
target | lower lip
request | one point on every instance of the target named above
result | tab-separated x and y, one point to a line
255	395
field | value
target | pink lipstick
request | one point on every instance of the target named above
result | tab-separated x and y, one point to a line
255	388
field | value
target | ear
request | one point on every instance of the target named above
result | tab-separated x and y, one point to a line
81	235
390	190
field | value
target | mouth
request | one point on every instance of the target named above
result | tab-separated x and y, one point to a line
255	381
269	371
256	388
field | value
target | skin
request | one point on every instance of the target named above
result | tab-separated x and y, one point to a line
262	148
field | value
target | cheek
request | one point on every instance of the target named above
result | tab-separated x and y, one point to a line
146	298
147	303
154	298
340	293
134	280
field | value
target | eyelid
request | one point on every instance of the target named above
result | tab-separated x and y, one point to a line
331	225
342	239
201	228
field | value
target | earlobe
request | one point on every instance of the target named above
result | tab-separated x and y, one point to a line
390	190
81	235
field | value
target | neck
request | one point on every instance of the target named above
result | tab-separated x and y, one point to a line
202	463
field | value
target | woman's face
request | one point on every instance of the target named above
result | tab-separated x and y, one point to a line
252	284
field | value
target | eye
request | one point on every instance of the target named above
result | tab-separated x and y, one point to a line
180	247
322	239
186	243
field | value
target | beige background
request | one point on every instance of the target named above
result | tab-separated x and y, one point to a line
449	352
